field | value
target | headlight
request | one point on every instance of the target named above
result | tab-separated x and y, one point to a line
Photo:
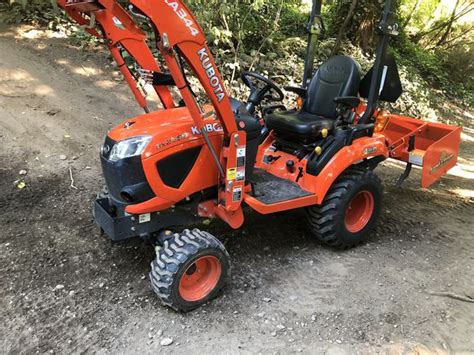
129	148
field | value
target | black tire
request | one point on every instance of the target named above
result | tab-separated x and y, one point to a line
179	254
329	221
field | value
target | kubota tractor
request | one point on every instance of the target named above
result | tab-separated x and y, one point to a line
166	169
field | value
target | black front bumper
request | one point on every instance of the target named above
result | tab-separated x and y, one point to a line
124	227
119	226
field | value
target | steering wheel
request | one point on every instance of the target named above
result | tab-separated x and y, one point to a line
257	94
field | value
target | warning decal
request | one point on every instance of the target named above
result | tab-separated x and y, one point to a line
231	174
144	218
241	174
417	157
237	194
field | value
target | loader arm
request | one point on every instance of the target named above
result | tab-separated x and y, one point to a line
178	33
108	20
178	36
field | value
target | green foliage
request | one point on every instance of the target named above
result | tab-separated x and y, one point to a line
426	63
416	14
360	29
24	3
42	12
434	45
249	24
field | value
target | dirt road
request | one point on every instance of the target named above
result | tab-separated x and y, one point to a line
64	288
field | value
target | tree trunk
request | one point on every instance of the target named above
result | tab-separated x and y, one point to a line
342	31
410	15
360	30
449	27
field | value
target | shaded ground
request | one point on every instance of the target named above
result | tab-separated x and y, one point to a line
64	288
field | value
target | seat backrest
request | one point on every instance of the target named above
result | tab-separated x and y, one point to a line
338	76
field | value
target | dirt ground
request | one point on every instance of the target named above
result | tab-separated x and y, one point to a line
64	288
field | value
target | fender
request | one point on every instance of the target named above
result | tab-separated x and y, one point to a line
360	150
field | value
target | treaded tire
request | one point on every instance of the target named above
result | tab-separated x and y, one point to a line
179	254
328	220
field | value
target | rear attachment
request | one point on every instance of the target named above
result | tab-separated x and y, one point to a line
432	146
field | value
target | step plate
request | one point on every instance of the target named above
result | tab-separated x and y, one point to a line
270	189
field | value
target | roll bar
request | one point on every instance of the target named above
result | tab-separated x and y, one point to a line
386	29
315	29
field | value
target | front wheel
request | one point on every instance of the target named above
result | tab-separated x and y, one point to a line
349	211
189	270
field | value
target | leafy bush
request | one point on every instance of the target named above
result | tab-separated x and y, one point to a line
25	3
249	24
451	71
260	33
426	63
36	11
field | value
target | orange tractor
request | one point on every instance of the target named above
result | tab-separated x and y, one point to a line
166	169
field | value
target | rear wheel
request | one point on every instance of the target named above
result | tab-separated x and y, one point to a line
349	211
189	270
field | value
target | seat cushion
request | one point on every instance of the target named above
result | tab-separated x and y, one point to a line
338	76
299	125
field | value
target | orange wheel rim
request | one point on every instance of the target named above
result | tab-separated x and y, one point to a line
359	211
200	278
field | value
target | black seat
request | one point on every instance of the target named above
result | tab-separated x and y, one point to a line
338	76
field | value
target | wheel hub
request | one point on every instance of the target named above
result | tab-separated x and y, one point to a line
200	278
359	211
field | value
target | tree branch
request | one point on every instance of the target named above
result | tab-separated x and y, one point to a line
410	15
275	26
342	30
